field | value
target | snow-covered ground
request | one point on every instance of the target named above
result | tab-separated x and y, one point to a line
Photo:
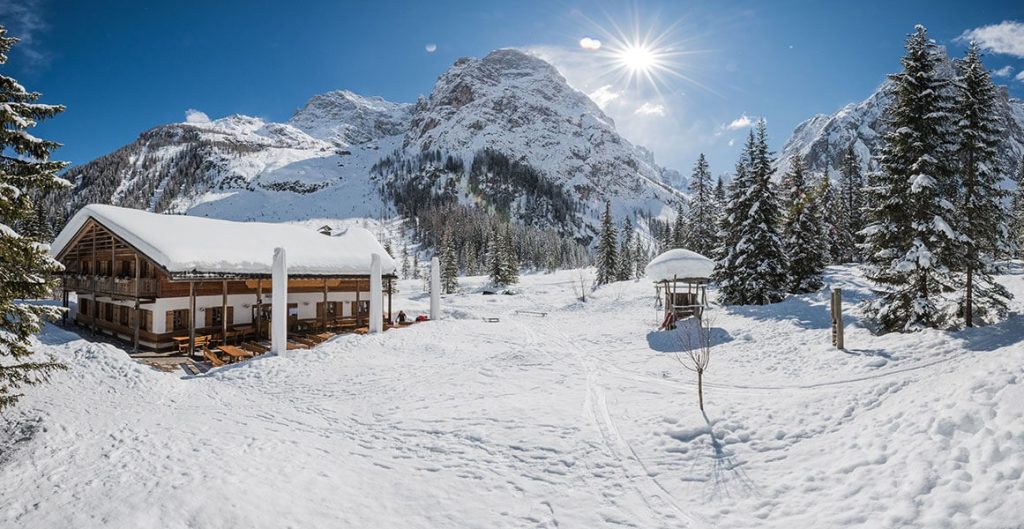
580	418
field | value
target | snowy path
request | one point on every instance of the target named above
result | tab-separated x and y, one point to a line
582	418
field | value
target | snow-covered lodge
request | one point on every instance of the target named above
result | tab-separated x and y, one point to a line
153	279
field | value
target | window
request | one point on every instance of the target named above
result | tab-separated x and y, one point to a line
179	319
108	312
85	268
83	306
124	316
126	269
216	316
143	268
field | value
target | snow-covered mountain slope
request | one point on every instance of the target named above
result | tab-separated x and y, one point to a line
319	164
520	105
823	139
580	419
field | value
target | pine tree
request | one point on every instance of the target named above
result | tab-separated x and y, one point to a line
405	261
850	206
25	171
831	223
802	232
679	229
701	218
415	265
1017	215
751	268
641	256
449	265
909	243
495	268
982	218
607	260
627	261
509	259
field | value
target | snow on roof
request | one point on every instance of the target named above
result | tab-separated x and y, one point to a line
679	263
185	245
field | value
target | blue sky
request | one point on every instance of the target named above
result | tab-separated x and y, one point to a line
124	67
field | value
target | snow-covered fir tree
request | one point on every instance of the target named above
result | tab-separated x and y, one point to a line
701	219
449	265
679	228
502	264
982	215
1017	214
831	224
26	172
510	259
415	265
850	214
802	232
37	227
641	256
405	261
751	267
627	260
607	260
910	240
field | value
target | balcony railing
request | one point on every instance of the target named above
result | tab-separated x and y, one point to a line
143	287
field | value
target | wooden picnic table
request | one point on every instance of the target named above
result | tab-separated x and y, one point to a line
235	353
182	342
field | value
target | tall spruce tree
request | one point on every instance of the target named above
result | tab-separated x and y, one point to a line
751	268
910	241
802	232
26	171
509	257
449	264
607	260
627	261
850	206
679	228
982	216
701	219
641	256
831	222
1017	215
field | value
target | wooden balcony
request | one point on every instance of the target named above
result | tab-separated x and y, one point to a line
128	288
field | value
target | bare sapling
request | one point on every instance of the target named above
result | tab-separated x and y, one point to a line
695	335
582	285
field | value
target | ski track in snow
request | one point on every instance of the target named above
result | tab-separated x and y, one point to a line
582	418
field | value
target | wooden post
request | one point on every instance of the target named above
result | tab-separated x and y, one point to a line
259	309
94	284
224	311
64	300
135	341
191	318
355	306
389	301
837	318
323	312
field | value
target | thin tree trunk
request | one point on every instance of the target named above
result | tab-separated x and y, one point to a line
700	389
970	297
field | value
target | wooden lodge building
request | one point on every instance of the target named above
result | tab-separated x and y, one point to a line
155	279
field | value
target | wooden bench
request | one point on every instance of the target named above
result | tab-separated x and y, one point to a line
212	358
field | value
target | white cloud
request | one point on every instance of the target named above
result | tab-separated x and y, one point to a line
741	122
604	95
431	48
1005	71
588	43
650	109
1006	37
1020	76
22	19
194	116
732	142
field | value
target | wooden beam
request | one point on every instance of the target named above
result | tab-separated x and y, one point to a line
389	301
135	341
323	313
224	312
355	307
259	309
191	319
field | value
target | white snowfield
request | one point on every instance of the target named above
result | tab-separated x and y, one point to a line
579	419
189	244
679	263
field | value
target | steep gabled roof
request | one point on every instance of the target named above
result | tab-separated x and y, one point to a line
200	246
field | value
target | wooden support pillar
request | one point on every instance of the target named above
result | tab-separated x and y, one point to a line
224	311
64	300
389	301
138	314
355	306
323	313
259	309
191	318
93	283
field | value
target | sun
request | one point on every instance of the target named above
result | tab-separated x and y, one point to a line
638	59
